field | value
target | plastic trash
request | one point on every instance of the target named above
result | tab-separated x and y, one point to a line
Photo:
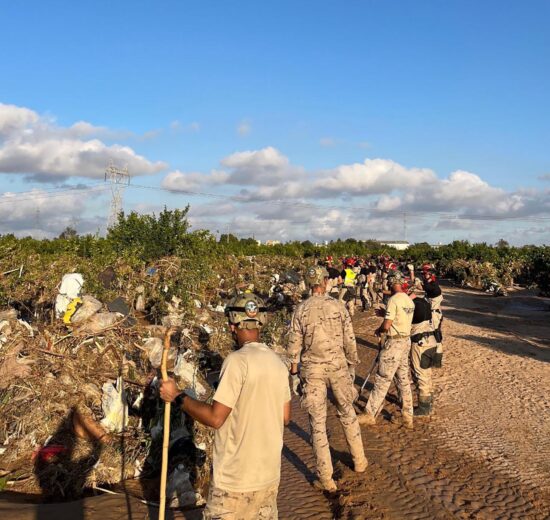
99	322
88	308
71	309
71	287
114	406
154	347
187	371
119	305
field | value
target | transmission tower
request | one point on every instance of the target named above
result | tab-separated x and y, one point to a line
119	179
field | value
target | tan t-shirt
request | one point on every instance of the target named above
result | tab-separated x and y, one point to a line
400	309
247	448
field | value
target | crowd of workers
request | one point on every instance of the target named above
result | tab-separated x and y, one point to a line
251	405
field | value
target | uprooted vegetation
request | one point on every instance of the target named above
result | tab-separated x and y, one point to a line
79	402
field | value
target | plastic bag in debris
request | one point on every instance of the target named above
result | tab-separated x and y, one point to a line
291	277
154	348
71	309
180	491
71	287
187	371
88	308
114	406
9	314
99	322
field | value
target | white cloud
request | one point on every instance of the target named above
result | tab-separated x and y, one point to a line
180	181
244	128
44	214
33	146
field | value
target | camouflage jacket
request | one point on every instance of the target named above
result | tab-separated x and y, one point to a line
321	334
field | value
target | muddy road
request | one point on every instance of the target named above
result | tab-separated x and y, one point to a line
485	453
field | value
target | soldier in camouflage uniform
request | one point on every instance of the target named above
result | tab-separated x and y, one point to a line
394	358
322	340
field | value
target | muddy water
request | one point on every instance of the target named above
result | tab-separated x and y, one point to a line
485	454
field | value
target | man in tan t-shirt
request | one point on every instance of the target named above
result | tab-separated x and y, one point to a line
250	408
394	358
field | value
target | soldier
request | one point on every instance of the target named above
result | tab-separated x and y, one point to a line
322	340
423	353
435	298
250	408
394	358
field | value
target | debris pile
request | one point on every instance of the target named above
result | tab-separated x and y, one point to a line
79	371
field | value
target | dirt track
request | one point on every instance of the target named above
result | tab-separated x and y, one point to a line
484	454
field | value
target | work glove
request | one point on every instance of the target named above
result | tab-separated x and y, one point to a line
295	383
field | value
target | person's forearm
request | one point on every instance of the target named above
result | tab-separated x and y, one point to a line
202	412
294	368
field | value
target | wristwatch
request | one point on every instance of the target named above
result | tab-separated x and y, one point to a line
178	401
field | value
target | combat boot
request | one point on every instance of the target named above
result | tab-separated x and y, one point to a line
424	408
361	466
405	420
325	484
366	419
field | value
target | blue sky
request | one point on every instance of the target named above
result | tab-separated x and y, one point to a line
445	86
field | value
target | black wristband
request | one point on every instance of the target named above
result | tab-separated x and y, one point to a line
179	400
294	373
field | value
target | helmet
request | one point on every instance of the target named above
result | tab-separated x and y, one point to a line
395	277
247	311
315	275
426	267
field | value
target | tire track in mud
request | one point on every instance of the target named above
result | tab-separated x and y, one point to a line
483	455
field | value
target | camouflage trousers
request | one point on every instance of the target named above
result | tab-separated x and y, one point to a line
421	360
314	400
231	505
345	296
394	362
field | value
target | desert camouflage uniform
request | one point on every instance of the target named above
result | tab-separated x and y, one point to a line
394	358
322	339
230	505
421	357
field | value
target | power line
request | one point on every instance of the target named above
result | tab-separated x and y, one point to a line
13	198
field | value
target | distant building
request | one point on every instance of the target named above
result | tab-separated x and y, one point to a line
400	245
436	246
272	242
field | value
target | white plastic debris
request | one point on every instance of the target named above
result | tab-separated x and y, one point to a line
188	371
154	348
71	287
99	322
114	406
88	308
198	304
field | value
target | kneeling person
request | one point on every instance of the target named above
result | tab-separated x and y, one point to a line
249	411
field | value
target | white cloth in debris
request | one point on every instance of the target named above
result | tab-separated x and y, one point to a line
71	287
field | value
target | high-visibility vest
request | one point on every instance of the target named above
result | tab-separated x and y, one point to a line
350	277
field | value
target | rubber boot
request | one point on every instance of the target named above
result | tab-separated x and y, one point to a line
424	408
